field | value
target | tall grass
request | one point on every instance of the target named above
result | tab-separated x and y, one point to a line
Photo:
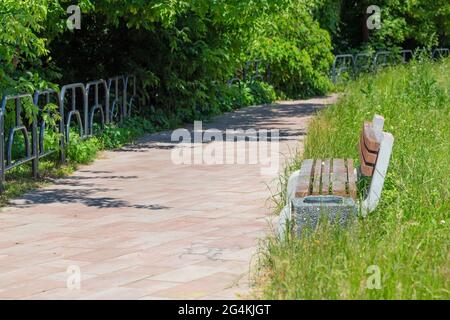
407	238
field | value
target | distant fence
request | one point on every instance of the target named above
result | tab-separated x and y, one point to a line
350	64
89	106
354	64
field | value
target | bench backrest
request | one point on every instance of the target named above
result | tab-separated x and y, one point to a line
369	145
375	148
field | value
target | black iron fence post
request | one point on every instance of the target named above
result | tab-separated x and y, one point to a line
62	146
125	86
34	145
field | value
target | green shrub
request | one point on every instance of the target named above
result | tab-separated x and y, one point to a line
297	50
263	92
114	136
82	151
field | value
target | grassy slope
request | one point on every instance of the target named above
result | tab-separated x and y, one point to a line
408	236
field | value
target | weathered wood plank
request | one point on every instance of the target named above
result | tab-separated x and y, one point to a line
370	139
339	177
366	170
368	156
304	178
317	177
368	149
326	175
351	179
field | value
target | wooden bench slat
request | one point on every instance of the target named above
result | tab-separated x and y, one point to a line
306	168
325	177
317	177
370	140
369	146
366	170
339	177
351	179
326	182
304	178
368	156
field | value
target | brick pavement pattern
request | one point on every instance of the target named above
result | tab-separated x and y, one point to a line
139	226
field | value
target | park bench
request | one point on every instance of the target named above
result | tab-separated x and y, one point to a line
329	186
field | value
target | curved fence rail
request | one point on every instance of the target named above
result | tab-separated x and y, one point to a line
341	64
407	55
440	53
354	64
18	126
78	108
132	102
117	92
362	62
97	103
84	106
41	99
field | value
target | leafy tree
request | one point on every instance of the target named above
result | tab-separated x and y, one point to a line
23	45
185	50
296	48
408	24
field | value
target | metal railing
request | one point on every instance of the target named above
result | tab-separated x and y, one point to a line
93	103
342	63
354	64
406	55
41	123
86	105
440	53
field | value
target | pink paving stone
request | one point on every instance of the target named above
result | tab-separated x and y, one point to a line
141	227
231	266
150	286
200	287
117	293
186	274
232	293
27	288
59	294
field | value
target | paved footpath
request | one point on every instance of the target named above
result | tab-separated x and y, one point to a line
135	225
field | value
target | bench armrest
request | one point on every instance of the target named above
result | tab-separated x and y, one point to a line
376	186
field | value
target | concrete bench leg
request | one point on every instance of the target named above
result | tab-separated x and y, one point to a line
283	221
285	214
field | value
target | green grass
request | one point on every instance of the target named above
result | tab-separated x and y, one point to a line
408	236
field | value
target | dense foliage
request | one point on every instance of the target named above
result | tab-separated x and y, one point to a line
185	51
409	24
296	48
